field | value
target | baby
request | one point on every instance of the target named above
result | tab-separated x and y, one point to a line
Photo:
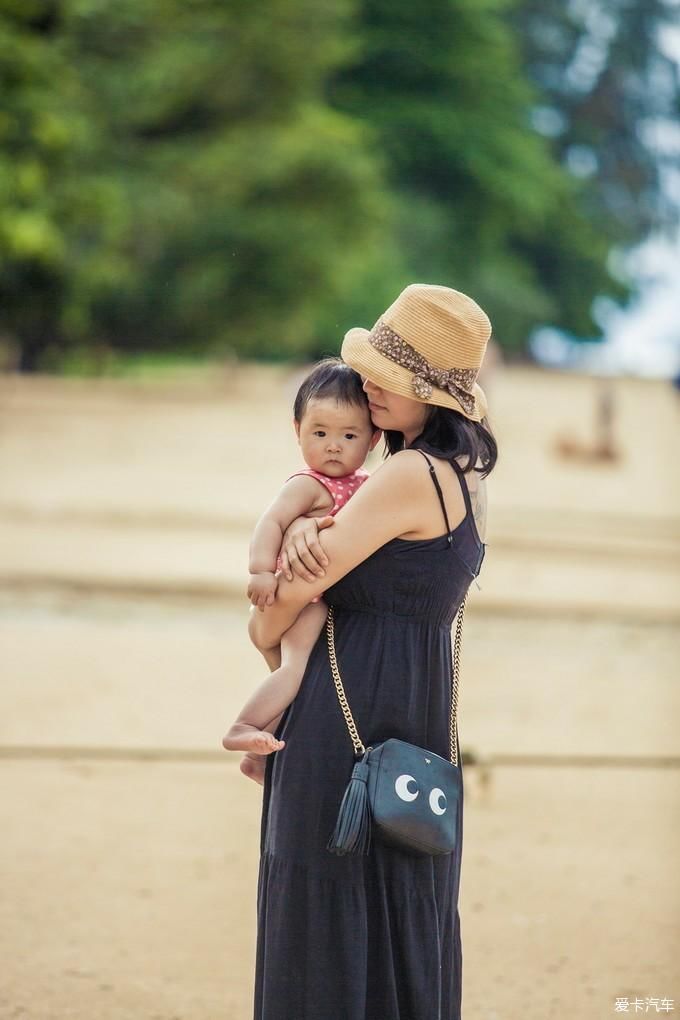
335	433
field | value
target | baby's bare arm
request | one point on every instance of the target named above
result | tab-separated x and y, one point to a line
388	506
300	495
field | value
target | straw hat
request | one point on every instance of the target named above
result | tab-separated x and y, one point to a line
428	345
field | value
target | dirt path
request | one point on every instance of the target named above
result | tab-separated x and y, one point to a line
130	838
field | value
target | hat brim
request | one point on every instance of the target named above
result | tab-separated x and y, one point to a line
360	355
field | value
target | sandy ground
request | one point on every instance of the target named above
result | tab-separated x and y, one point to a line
130	839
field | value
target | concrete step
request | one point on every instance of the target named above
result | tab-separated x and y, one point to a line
97	673
533	579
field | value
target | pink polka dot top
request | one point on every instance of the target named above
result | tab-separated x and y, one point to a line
341	489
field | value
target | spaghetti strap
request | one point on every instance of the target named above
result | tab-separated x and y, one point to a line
438	487
463	484
466	496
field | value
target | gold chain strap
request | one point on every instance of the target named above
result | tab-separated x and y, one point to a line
342	697
349	719
453	742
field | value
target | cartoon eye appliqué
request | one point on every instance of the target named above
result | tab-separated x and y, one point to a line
401	787
438	801
437	798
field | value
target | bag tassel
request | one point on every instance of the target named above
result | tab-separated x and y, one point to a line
352	833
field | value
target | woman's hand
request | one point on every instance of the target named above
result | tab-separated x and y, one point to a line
301	550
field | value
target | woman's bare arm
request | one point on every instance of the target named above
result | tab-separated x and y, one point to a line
386	506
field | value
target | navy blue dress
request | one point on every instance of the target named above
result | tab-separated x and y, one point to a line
372	937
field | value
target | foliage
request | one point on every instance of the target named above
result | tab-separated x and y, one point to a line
609	94
183	183
488	202
213	177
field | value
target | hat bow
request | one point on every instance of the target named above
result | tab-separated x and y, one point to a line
456	381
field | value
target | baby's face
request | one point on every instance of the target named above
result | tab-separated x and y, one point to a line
335	438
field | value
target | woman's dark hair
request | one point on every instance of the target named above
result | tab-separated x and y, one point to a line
330	377
447	433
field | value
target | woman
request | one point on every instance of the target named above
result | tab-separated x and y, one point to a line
377	937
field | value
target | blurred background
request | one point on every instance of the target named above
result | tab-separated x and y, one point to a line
196	201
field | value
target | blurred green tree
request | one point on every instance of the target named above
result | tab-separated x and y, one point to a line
608	107
173	177
40	133
611	101
213	177
485	205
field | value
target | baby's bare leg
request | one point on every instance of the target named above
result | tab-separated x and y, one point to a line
275	693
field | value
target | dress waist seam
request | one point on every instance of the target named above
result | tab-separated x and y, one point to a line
402	617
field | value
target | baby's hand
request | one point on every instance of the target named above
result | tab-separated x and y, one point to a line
262	589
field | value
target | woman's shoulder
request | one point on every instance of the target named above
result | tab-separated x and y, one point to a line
413	464
405	466
400	480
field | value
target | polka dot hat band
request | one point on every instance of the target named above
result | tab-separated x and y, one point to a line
428	345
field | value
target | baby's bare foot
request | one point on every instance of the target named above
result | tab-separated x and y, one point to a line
253	766
264	743
247	738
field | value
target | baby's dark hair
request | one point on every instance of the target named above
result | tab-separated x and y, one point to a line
330	377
